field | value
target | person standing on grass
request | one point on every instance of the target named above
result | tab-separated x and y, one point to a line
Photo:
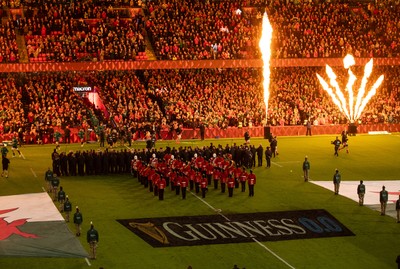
268	155
308	127
336	181
306	168
184	182
67	208
204	185
361	192
5	164
78	219
398	209
55	182
383	199
48	176
61	198
231	185
92	238
251	179
243	179
161	186
260	152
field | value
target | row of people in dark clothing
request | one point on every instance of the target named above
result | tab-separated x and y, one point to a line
91	162
113	161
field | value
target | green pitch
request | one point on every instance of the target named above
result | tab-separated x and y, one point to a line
103	199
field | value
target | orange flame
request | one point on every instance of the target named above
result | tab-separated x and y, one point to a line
265	47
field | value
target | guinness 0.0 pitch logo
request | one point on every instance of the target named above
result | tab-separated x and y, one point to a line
216	229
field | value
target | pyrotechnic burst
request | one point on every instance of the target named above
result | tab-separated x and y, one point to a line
265	47
346	106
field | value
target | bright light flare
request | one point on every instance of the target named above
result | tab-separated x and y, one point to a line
332	79
348	62
361	91
265	48
370	94
349	109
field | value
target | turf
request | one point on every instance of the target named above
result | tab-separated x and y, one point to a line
103	199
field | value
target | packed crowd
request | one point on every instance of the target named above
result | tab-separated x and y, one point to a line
230	30
330	29
154	100
35	103
82	31
194	30
218	98
197	30
8	43
129	102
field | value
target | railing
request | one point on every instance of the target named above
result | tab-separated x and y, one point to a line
129	65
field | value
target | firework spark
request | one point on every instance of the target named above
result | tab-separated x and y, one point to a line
347	107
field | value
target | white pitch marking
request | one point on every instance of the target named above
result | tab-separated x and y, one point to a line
274	163
273	253
88	262
33	172
210	206
255	240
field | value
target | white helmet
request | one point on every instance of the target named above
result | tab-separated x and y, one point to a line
214	155
135	157
195	155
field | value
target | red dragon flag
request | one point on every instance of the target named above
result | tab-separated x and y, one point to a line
31	226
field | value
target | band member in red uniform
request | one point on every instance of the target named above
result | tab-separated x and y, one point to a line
251	178
172	178
243	179
150	179
135	165
177	183
184	183
231	185
216	176
153	160
161	186
191	174
223	179
155	178
210	172
204	184
237	173
197	180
